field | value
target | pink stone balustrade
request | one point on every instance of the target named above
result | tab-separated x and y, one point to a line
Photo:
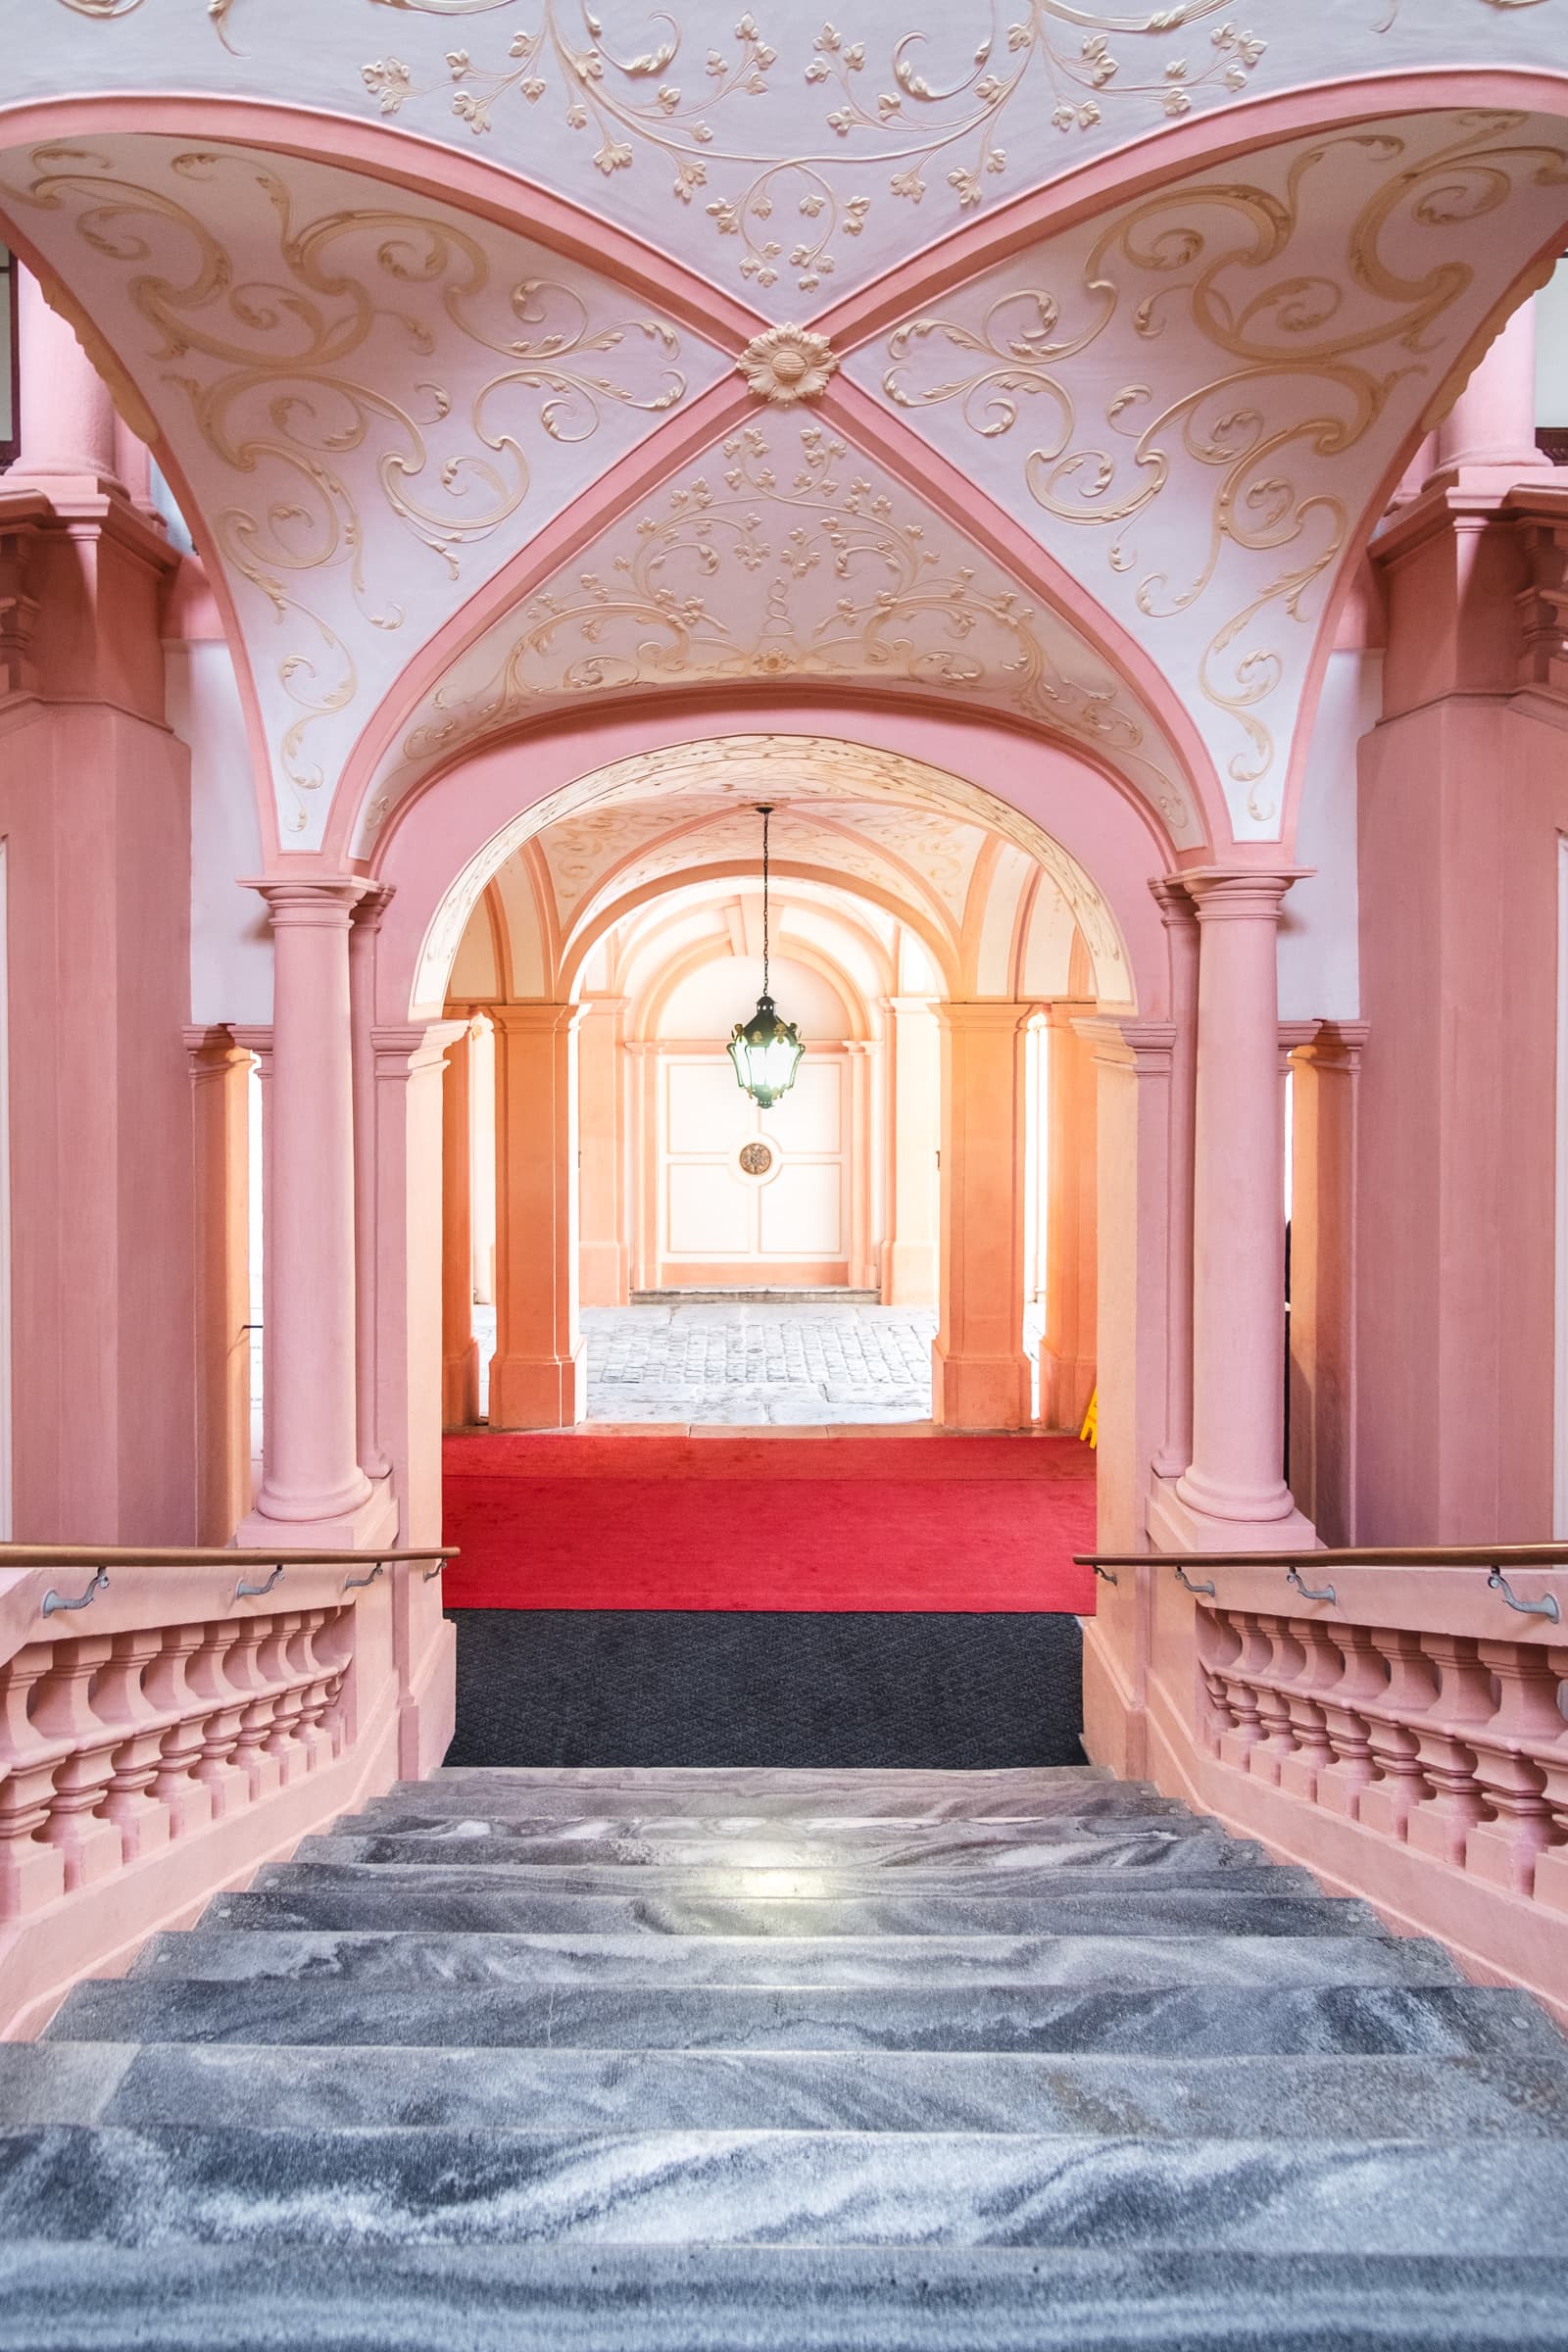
1406	1739
168	1723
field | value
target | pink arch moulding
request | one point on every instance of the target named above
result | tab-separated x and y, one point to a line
432	837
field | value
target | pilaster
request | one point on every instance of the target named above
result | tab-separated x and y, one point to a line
980	1372
537	1375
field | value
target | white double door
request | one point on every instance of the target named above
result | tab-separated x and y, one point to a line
764	1193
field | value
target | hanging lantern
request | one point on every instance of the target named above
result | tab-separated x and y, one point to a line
766	1051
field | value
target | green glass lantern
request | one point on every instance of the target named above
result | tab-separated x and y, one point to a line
765	1050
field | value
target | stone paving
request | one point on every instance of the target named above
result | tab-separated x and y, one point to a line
798	1363
752	1362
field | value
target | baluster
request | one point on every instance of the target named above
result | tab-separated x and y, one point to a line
315	1690
183	1712
1323	1670
1219	1645
331	1646
122	1699
276	1660
228	1786
262	1773
63	1711
1527	1728
32	1874
1442	1822
1388	1803
1350	1733
1236	1744
1273	1704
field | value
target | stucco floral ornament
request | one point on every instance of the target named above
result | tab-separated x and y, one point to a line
787	364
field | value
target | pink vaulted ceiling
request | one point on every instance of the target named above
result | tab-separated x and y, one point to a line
1099	480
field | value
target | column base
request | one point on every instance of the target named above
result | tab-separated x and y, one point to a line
531	1391
1066	1383
1174	1525
371	1526
460	1388
980	1392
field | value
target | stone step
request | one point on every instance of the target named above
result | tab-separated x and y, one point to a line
1239	1888
1218	2020
995	1846
885	1796
531	2298
1126	1959
381	1818
714	1907
117	2186
660	2090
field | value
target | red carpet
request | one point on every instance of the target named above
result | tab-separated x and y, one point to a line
578	1521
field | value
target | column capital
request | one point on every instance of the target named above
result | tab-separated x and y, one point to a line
1241	893
1334	1045
1171	895
213	1052
1129	1044
255	1037
373	903
982	1013
325	902
536	1014
405	1047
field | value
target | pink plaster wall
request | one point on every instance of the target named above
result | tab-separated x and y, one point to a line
94	805
1463	803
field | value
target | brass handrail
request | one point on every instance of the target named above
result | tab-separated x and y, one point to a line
176	1556
1385	1555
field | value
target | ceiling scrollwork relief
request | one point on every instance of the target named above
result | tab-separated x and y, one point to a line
775	150
784	555
377	402
1189	402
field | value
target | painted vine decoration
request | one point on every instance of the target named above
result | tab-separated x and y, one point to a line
902	615
296	391
1293	383
787	212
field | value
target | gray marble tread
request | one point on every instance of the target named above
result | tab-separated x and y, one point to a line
1218	2020
1235	1903
570	2298
152	2184
625	1832
1080	1800
889	2091
715	1907
1124	1960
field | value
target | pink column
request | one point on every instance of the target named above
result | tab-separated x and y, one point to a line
312	1482
1492	422
1323	1289
642	1090
980	1375
365	925
459	1350
864	1271
1232	1494
1177	913
602	1182
913	1086
1067	1347
219	1077
65	415
537	1373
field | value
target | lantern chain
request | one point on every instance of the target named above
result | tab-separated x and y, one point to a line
765	811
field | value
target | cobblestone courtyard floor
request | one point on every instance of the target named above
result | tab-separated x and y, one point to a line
789	1363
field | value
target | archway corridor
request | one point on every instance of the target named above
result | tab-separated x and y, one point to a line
642	1261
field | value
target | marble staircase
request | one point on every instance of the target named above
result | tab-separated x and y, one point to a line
646	2061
